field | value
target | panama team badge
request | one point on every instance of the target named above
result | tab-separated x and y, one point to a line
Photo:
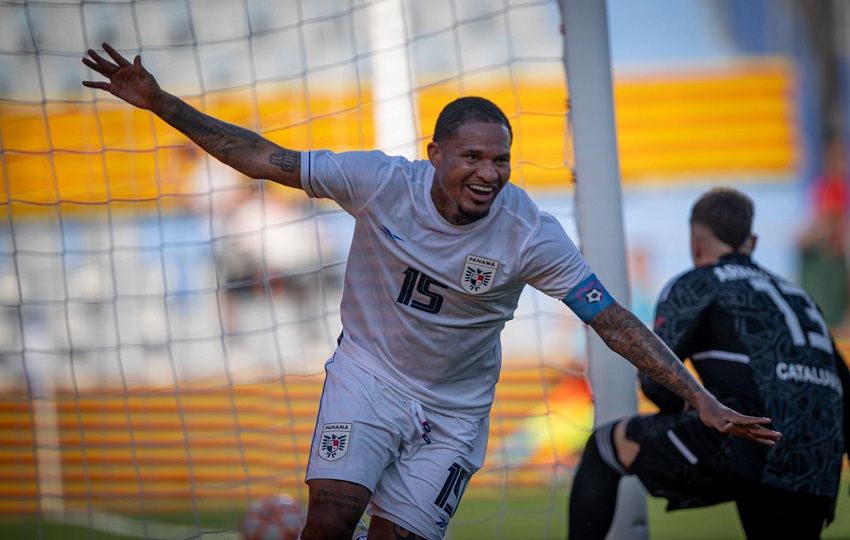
478	274
335	441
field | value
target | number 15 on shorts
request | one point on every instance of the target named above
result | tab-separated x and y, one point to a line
453	488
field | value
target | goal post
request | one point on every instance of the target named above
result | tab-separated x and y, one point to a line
599	218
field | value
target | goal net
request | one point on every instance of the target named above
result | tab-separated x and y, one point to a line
164	322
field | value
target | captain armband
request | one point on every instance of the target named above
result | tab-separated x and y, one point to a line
588	298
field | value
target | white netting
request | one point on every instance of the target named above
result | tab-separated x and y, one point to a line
164	321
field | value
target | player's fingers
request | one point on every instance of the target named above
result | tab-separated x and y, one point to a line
137	64
94	56
772	433
97	84
759	434
93	65
116	56
766	433
100	64
741	420
96	62
750	429
768	439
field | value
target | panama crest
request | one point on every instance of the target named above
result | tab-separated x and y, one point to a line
478	274
336	438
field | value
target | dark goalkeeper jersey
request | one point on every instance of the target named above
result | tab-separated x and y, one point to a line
760	345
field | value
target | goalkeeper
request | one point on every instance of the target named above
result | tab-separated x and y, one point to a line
441	252
760	345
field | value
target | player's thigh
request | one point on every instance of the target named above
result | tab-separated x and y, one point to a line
422	490
768	513
359	428
681	459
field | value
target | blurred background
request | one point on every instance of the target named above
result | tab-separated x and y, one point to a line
164	321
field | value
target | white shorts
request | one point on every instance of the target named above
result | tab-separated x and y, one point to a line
370	433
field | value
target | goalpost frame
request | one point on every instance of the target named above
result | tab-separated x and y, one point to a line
599	216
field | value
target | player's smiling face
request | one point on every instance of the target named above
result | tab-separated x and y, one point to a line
472	167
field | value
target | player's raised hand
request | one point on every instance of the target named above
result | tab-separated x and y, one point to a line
127	80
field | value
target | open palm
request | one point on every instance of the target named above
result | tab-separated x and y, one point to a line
127	80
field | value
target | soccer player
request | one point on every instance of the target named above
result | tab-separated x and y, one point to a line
758	343
442	249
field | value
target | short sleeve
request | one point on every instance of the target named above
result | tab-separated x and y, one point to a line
553	263
349	178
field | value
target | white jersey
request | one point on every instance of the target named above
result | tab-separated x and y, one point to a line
425	301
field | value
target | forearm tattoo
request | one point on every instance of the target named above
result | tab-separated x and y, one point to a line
626	335
202	128
288	160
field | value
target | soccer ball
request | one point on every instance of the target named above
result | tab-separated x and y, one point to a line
273	518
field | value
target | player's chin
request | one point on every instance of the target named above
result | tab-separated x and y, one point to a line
475	212
477	209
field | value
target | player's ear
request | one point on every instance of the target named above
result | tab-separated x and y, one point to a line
750	244
434	153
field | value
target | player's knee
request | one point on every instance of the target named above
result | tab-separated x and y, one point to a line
602	450
626	449
384	528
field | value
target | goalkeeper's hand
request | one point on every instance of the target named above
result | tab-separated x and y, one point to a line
127	80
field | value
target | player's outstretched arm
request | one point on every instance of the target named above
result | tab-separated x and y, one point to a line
626	335
244	150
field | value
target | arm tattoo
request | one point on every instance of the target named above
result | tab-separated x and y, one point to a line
202	128
626	335
288	160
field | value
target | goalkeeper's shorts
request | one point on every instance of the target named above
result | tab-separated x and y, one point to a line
415	461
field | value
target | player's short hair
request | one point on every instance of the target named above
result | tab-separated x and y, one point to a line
727	213
468	109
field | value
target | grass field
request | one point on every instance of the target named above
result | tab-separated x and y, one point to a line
537	516
519	514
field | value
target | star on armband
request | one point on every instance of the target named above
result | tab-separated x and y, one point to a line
588	298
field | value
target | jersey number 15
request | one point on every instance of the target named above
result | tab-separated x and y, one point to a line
421	283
